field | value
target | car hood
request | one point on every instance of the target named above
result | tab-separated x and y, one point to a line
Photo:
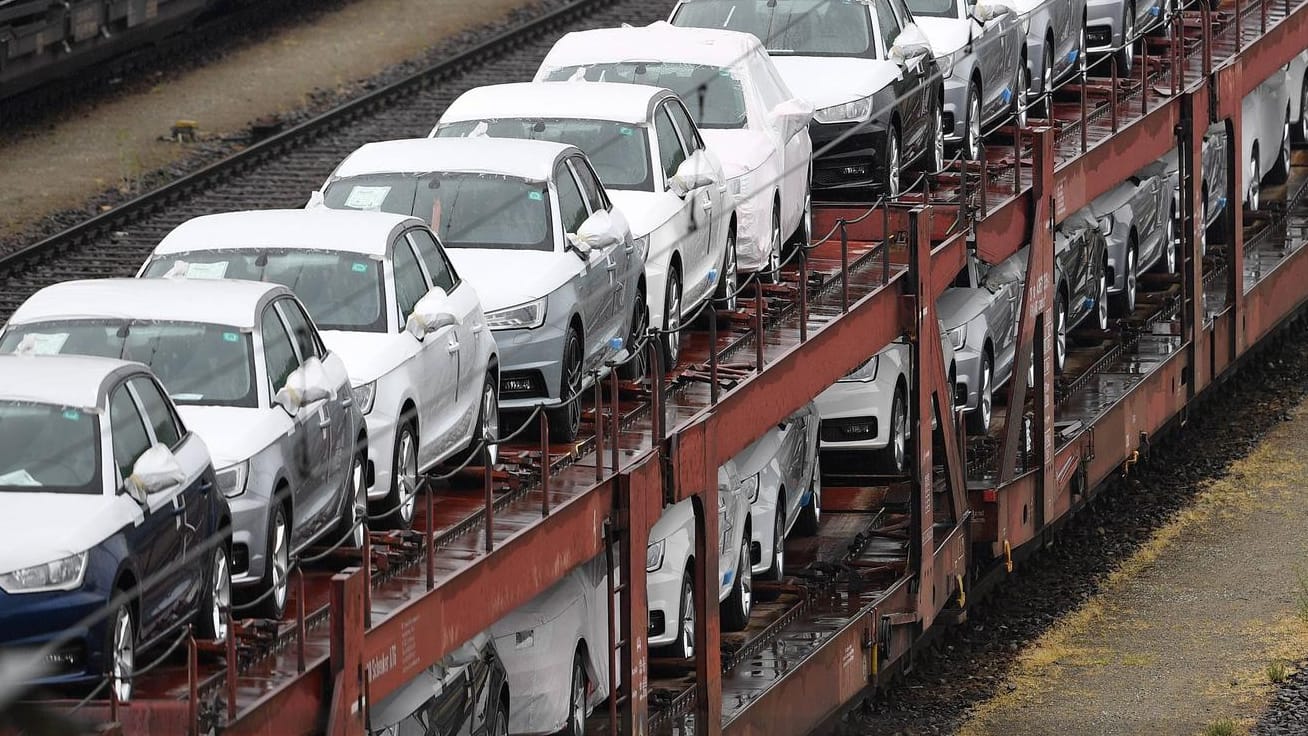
78	522
740	150
367	355
759	454
235	434
645	211
946	35
960	305
507	278
1113	199
673	518
834	81
1012	269
565	601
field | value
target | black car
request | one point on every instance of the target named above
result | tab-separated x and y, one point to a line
466	693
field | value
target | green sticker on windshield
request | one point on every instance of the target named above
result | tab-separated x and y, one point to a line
535	196
359	268
624	131
231	336
72	415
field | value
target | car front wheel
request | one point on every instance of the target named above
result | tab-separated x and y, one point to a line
565	421
737	607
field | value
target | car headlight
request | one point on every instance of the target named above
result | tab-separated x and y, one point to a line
654	555
958	336
865	372
724	526
63	574
948	61
1026	24
524	639
231	479
364	395
750	487
522	317
1106	225
850	112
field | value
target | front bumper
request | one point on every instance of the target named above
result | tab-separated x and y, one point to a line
762	518
1116	252
250	531
663	592
1103	25
753	228
954	112
853	415
847	154
29	621
967	362
381	452
531	366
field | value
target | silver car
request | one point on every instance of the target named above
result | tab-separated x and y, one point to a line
780	473
1055	46
1136	220
1265	136
250	375
980	317
529	225
1113	25
1212	184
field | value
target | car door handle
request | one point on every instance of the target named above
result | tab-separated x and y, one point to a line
477	328
629	247
205	486
453	346
324	421
612	266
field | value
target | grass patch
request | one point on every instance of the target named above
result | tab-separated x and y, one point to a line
1277	672
1224	727
1301	598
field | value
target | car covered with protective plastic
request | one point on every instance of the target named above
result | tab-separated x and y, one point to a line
467	692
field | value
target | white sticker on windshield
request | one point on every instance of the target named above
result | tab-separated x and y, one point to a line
206	270
367	198
18	478
35	343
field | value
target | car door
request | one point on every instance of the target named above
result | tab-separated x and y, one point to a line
796	146
1147	212
309	440
192	503
911	89
437	354
598	278
705	211
468	344
339	419
792	456
155	541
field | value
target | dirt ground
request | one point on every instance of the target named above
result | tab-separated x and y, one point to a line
1190	633
118	140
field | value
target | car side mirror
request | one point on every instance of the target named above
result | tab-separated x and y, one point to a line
986	12
316	200
910	47
306	385
598	231
156	470
431	313
692	174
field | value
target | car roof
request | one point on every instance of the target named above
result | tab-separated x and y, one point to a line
207	301
350	231
659	41
65	380
622	103
531	160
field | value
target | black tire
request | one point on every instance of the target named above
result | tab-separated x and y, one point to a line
487	427
637	367
978	420
1021	90
1170	262
736	608
726	295
1101	300
401	502
353	524
1122	303
803	231
501	725
776	571
684	646
1046	107
810	514
1301	130
565	421
972	124
276	579
670	341
577	699
892	171
1125	56
936	157
772	271
893	458
1280	172
211	619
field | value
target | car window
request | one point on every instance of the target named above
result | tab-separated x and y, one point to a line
438	267
278	354
887	22
130	438
681	118
671	154
572	207
302	331
590	185
410	284
157	412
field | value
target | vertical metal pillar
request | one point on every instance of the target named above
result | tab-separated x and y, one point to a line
639	504
1189	138
923	523
708	628
346	717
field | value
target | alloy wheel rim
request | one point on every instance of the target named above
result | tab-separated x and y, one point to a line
578	704
1047	83
358	503
688	618
222	593
1081	60
281	562
1171	245
899	439
1060	337
490	431
746	580
1020	95
938	144
1285	143
779	545
774	257
672	321
1130	280
1303	112
816	485
408	476
893	165
973	127
731	281
124	655
1254	183
986	398
1128	38
1101	307
1203	229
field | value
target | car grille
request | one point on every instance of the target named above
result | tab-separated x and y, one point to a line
1098	36
854	429
240	559
522	385
656	624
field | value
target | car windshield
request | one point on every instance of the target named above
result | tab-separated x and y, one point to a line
618	151
466	210
48	449
714	97
197	363
934	8
799	27
343	291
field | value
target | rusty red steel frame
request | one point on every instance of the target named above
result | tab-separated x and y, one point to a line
624	492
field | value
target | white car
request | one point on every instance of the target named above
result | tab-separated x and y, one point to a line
670	560
1297	89
868	410
423	365
782	478
750	119
250	375
653	164
555	649
1265	136
531	226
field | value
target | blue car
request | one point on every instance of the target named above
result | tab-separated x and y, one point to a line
114	533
